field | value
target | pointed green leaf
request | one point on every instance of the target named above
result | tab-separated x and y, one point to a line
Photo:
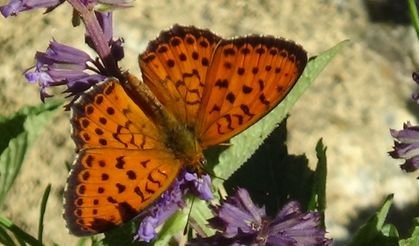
5	238
18	233
19	132
199	214
414	16
173	226
414	238
390	231
318	195
372	233
415	232
122	235
42	213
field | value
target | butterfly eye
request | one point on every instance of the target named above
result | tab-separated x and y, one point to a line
203	161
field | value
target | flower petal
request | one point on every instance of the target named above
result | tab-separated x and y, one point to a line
16	6
64	65
292	225
406	146
172	201
239	221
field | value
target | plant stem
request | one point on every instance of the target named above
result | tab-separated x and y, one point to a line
98	38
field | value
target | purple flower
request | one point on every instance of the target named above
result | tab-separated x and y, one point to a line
406	144
171	201
16	6
105	22
65	65
415	96
239	221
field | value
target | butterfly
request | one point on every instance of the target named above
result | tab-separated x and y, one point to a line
133	138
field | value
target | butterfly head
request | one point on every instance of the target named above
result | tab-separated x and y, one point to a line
197	164
191	153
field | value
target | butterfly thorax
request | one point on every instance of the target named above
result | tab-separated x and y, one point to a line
182	141
178	136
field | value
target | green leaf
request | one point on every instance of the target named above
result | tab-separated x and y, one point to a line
84	240
273	176
414	238
245	144
318	198
94	241
5	239
42	213
198	216
173	226
390	230
19	132
373	232
18	233
318	195
413	241
122	235
413	10
415	232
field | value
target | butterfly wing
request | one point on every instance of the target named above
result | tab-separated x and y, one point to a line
247	78
220	87
122	164
174	67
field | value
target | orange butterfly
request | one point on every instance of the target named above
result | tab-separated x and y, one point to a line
133	138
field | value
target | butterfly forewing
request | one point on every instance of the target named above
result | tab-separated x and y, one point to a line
247	77
175	65
220	87
122	165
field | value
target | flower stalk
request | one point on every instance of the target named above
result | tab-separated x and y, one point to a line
97	36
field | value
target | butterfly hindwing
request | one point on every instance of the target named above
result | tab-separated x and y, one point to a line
107	188
122	164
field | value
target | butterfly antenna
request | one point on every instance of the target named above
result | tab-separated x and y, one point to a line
193	224
212	174
185	229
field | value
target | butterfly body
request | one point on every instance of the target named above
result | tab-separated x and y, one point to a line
133	137
178	137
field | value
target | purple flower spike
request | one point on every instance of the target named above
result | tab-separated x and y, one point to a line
293	226
16	6
200	187
415	96
406	146
64	65
240	222
105	22
168	204
172	201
